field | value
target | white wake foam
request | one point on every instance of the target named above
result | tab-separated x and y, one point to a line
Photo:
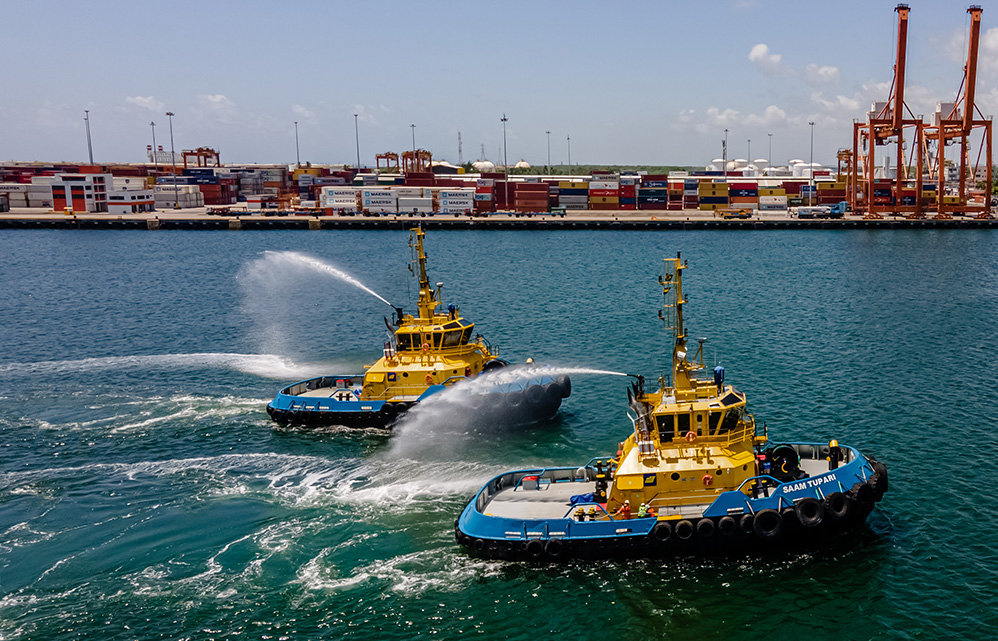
263	365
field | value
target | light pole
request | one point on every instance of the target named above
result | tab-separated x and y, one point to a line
90	149
297	150
749	151
770	151
413	127
810	167
505	160
569	139
549	149
724	155
173	160
356	135
155	160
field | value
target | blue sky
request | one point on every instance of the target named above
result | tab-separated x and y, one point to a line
631	83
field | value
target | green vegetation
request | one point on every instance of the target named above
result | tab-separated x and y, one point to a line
585	170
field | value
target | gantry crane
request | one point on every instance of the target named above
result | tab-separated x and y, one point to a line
962	123
418	160
886	124
203	155
389	157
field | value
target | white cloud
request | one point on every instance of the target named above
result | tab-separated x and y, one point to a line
821	75
724	118
146	102
772	115
218	108
988	55
303	113
768	63
837	103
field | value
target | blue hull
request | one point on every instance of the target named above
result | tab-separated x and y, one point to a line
790	512
337	400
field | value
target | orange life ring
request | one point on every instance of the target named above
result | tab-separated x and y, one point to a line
691	437
429	378
426	347
708	480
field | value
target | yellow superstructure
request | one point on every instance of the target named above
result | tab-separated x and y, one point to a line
429	348
692	438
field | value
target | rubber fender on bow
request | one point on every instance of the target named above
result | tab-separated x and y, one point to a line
662	531
552	392
863	494
838	506
565	383
705	528
727	526
768	525
479	545
387	410
684	529
554	547
513	400
534	395
810	512
746	523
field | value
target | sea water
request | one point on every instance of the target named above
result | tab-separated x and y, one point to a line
145	494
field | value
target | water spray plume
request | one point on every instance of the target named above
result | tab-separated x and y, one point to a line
295	258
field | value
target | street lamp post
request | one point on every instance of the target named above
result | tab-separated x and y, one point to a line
749	151
810	168
549	150
505	160
724	155
413	127
297	149
155	160
90	149
770	151
569	139
173	160
356	135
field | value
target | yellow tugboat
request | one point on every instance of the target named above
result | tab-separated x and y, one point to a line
694	475
428	352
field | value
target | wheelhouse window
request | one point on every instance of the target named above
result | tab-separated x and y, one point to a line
713	420
666	427
403	342
452	338
437	336
731	419
683	424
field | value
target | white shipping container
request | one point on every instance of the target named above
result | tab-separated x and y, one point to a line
43	180
483	197
407	203
456	193
384	192
408	192
456	210
13	187
485	182
379	202
604	184
772	200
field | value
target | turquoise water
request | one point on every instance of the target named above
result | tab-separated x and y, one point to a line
144	494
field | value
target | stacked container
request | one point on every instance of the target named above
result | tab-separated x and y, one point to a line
653	192
743	195
484	202
604	195
337	199
629	192
530	197
831	193
573	195
456	201
712	195
691	193
379	200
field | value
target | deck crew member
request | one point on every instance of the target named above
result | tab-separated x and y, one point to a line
643	511
592	513
624	511
835	454
580	514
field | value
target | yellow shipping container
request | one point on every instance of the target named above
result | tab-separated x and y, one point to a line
567	184
772	191
712	187
712	206
604	200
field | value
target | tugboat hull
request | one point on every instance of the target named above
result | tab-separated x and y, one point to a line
497	524
338	400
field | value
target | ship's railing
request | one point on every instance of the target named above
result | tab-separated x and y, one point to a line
321	382
514	481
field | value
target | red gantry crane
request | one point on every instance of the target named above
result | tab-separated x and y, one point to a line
961	124
886	124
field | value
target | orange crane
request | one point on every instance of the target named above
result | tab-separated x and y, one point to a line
389	157
886	124
962	122
419	160
203	155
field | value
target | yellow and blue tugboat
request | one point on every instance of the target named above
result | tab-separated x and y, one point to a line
427	353
696	475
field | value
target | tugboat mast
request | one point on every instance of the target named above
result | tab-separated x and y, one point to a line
427	302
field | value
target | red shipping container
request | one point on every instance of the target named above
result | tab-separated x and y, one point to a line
628	191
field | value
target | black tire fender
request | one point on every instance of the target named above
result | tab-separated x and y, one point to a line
810	512
534	548
838	506
554	547
745	523
705	528
479	545
684	530
727	526
534	395
662	531
863	494
768	525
